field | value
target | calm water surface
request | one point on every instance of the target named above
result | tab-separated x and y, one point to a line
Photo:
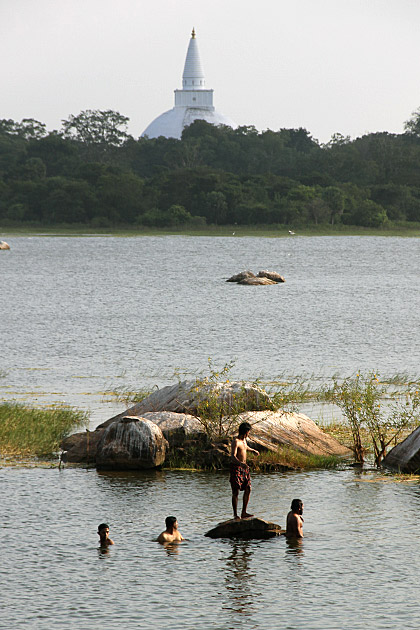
83	315
357	566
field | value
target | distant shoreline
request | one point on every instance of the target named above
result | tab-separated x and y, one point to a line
235	231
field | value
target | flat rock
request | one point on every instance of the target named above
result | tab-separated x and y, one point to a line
405	456
245	528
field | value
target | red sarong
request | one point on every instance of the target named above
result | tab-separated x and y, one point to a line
239	477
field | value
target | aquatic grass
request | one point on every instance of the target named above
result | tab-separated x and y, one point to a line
287	457
26	430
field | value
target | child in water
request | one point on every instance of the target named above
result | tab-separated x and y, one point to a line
103	532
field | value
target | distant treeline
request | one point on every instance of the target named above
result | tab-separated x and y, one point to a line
92	172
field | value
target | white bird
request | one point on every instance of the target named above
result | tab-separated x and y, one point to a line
292	233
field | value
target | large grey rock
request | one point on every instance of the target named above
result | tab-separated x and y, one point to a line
405	456
241	276
131	444
272	275
186	397
176	427
245	528
271	429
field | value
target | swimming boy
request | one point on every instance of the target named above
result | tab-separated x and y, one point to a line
171	533
294	521
239	470
104	539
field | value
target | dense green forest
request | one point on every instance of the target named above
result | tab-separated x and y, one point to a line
92	172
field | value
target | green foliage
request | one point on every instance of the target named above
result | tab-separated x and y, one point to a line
33	431
361	399
213	175
218	405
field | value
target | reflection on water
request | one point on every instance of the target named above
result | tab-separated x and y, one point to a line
294	546
239	577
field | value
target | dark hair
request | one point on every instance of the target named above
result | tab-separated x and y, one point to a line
244	428
170	521
296	505
102	526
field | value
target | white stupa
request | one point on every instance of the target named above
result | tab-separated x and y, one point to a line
193	102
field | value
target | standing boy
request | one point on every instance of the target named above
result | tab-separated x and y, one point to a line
239	470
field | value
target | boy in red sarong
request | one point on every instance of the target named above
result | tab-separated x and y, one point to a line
239	470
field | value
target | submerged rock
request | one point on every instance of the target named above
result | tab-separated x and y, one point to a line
405	456
245	528
131	444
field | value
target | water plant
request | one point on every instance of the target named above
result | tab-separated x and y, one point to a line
26	430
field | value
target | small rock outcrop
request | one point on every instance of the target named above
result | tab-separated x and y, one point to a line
4	245
186	397
241	276
257	281
263	277
272	275
245	528
131	444
405	456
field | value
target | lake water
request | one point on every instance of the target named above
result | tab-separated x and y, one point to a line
84	315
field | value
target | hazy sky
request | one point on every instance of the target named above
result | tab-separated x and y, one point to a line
348	66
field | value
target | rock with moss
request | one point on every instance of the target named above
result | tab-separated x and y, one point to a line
131	444
246	528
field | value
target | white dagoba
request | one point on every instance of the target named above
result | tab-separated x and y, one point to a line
193	102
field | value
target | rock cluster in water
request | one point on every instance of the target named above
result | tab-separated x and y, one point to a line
262	278
168	420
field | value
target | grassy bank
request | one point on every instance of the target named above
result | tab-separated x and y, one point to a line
269	231
27	431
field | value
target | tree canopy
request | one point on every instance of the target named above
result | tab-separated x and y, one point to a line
93	172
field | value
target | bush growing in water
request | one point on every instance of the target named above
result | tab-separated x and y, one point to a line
33	431
361	399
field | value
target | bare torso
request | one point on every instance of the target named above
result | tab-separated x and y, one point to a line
294	525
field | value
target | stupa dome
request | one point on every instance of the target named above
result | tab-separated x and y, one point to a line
193	102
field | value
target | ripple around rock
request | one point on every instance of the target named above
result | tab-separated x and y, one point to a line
245	528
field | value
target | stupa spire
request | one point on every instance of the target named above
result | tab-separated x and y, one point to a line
193	76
